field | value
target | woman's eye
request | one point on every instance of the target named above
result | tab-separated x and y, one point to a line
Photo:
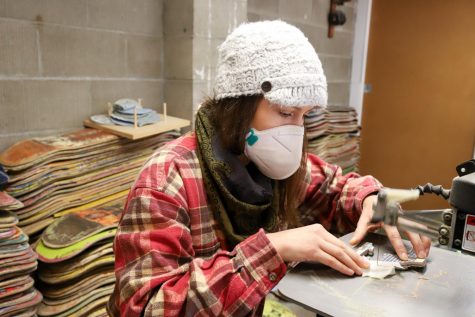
286	114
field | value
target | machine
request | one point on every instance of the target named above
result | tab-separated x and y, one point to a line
456	229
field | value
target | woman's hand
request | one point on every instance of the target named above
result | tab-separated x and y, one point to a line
314	243
420	243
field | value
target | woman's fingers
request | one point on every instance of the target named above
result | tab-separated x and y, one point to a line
361	230
427	243
396	241
334	263
417	244
359	260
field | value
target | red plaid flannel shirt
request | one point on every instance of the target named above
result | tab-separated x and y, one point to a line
171	256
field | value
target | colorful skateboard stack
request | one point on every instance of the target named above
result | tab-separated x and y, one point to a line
77	262
18	297
332	136
53	174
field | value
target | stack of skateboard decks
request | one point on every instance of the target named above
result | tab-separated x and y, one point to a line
51	175
332	135
76	270
18	297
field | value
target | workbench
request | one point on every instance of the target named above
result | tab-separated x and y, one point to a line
446	287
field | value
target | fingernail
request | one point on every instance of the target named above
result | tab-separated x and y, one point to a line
359	272
352	241
365	264
404	256
421	254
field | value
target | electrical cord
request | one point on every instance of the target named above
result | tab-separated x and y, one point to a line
434	189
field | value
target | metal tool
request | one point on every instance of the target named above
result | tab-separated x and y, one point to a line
455	230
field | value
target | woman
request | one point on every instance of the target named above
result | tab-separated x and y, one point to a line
215	215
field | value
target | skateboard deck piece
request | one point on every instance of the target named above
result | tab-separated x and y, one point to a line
18	237
7	202
16	288
85	310
26	312
27	257
75	263
13	248
7	219
41	176
17	270
37	226
107	260
99	312
50	255
30	152
76	196
77	226
76	304
20	303
63	300
89	281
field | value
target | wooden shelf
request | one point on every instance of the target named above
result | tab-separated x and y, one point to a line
170	123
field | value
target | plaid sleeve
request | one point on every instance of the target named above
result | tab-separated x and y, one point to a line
332	199
157	271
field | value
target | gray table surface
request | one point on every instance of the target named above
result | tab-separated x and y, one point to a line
446	287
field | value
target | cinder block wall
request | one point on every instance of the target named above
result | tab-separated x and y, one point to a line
311	17
63	60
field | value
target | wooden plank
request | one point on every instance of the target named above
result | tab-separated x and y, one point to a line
170	123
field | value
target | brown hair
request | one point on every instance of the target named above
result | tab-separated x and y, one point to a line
232	118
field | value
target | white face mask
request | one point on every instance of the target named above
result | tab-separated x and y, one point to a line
277	152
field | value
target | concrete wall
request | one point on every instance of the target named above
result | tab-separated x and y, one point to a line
63	60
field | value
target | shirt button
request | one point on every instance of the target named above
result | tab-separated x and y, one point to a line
266	86
272	276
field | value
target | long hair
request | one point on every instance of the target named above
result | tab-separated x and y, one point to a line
232	118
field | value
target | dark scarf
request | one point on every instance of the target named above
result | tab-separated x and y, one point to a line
241	197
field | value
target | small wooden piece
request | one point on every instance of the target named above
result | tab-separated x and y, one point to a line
132	133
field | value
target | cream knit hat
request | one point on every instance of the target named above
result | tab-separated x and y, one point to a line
272	58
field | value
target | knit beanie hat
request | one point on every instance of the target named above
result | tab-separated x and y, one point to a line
272	58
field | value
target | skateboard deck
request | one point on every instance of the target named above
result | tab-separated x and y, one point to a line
76	304
107	260
83	143
50	255
7	202
65	201
16	288
30	152
73	171
77	294
24	301
100	312
17	270
99	303
6	233
89	281
76	226
36	227
12	248
7	219
28	256
97	158
75	263
17	238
